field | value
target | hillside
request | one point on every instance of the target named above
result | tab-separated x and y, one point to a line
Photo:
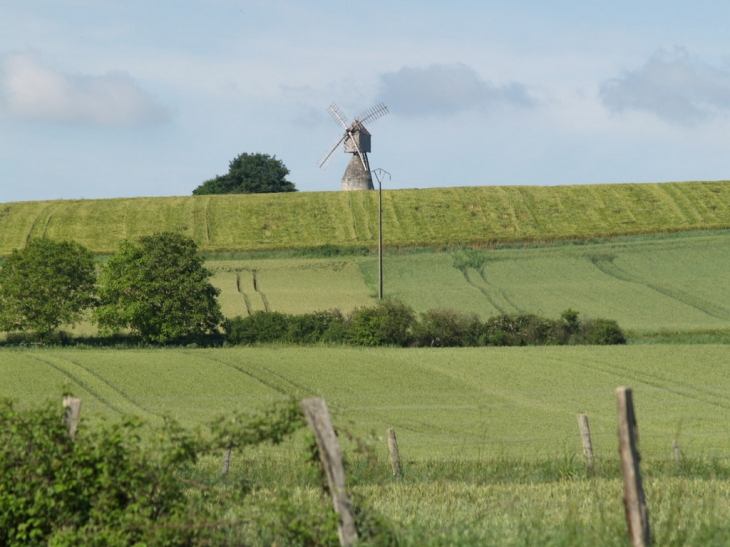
443	216
647	283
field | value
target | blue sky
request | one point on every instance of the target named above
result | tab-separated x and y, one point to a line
149	98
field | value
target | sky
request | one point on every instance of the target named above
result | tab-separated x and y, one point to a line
102	99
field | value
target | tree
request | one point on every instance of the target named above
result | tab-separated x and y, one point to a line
159	289
250	174
47	284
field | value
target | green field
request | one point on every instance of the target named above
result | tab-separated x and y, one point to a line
672	282
477	215
444	403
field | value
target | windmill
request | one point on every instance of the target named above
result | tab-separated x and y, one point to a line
356	140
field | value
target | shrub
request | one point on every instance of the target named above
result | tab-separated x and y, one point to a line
602	332
260	326
388	323
110	487
319	326
447	328
523	330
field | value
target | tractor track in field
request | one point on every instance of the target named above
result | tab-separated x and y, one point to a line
81	383
606	265
488	290
243	294
655	381
275	381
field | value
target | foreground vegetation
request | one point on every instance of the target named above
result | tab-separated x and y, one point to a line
122	483
442	216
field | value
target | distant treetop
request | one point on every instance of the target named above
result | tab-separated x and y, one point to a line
250	174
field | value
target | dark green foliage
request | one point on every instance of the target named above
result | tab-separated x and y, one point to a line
46	285
259	327
447	329
570	320
387	324
602	332
159	289
319	326
250	174
392	323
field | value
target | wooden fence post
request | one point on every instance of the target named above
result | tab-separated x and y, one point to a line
677	452
226	461
394	454
637	513
319	420
71	413
585	437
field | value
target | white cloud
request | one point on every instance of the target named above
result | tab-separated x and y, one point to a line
672	86
446	89
30	89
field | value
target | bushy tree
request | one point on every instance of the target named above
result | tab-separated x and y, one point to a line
158	288
388	323
47	284
250	174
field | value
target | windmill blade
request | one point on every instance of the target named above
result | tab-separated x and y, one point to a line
337	114
324	162
378	111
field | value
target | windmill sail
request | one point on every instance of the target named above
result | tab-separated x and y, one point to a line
356	141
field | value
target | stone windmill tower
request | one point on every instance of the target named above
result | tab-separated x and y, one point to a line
356	140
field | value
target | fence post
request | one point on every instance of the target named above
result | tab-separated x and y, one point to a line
226	461
585	437
319	420
637	513
394	454
71	413
677	452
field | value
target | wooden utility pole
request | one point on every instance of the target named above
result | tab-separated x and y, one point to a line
71	413
637	513
394	454
379	175
585	437
319	420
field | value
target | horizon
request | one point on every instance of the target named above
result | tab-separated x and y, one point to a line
100	100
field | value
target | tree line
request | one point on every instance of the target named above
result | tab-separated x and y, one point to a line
158	288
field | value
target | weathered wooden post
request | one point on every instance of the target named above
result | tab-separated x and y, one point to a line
677	452
226	461
394	454
585	437
637	513
320	421
71	413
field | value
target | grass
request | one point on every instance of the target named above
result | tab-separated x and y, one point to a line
488	437
444	403
671	283
485	215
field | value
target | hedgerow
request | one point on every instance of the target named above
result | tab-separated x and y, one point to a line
392	323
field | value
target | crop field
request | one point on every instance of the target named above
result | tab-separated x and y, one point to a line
444	403
440	216
672	282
